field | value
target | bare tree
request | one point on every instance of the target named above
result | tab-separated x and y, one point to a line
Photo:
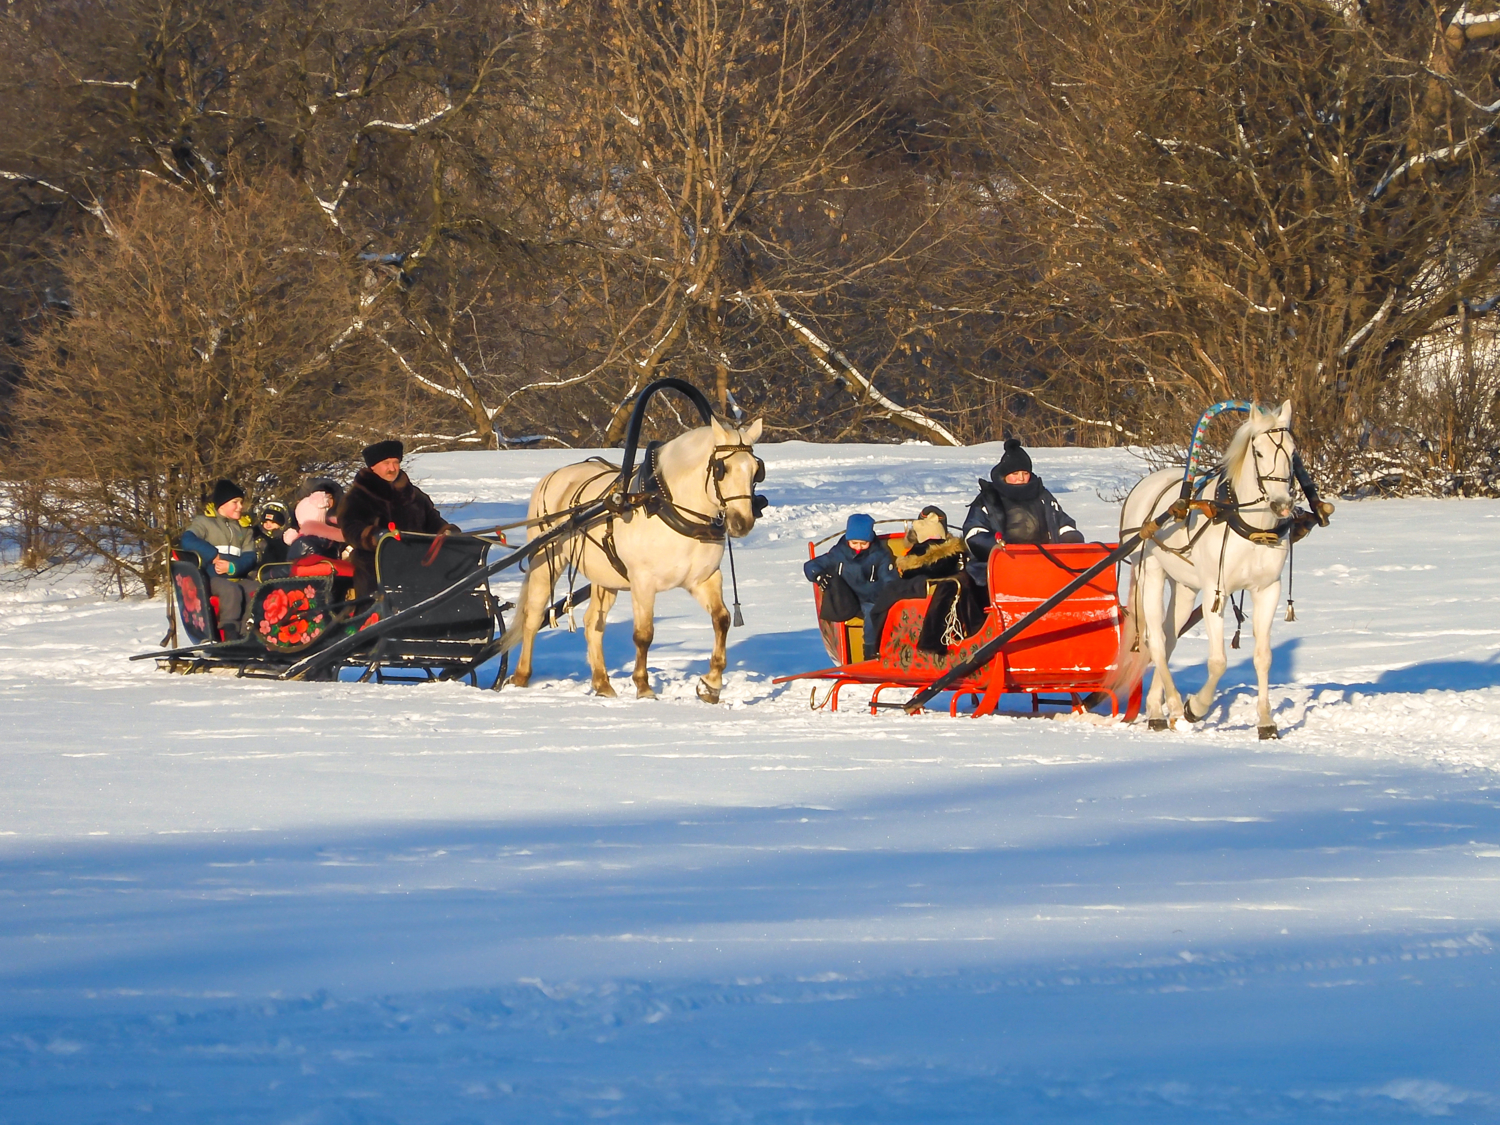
201	342
1236	197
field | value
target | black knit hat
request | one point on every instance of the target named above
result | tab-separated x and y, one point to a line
382	451
1015	460
225	491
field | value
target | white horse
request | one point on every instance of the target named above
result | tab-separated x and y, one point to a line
707	478
1244	549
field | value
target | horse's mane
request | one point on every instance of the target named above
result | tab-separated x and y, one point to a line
1260	420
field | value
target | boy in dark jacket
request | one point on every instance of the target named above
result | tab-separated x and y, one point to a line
1013	507
382	497
864	563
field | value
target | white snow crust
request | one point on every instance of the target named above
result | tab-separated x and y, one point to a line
233	901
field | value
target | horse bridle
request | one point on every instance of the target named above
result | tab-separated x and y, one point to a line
718	468
1229	511
1261	478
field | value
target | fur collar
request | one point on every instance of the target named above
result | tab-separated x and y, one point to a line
934	553
380	487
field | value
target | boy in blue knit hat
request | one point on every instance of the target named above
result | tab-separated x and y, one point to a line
864	563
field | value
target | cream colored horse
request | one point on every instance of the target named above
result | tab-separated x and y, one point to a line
1247	551
709	475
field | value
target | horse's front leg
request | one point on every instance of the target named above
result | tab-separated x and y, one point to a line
1154	615
643	605
1264	612
601	601
1196	706
710	595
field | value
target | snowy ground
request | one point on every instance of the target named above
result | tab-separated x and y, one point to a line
234	901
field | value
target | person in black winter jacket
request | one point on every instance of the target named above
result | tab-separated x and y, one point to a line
864	563
1013	507
269	547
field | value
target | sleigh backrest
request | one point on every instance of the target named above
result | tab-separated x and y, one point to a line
194	608
408	578
1079	636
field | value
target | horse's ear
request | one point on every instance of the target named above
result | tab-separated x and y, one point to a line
751	433
1285	417
721	435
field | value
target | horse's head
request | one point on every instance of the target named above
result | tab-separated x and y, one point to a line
733	472
1259	460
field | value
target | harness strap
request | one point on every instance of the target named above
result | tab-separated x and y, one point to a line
1229	513
704	528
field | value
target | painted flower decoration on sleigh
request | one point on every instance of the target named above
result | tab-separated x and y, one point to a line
274	609
294	632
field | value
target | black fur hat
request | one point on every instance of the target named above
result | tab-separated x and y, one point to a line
225	491
1015	460
382	451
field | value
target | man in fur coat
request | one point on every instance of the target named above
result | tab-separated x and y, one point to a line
383	497
1013	507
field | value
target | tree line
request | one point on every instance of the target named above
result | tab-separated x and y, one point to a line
244	238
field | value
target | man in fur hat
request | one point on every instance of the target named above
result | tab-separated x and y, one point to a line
383	498
226	549
1013	507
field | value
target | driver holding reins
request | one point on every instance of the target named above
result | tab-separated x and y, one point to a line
1013	507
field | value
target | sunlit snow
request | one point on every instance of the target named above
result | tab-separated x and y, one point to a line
230	900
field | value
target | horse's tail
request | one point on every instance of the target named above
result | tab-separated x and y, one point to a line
1131	659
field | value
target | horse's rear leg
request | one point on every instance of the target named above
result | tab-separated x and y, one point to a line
601	601
1264	612
535	595
643	607
710	595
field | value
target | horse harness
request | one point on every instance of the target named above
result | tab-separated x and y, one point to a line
649	492
1226	505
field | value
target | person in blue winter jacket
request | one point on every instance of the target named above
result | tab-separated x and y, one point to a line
864	563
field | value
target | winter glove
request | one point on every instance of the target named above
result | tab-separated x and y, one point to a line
980	543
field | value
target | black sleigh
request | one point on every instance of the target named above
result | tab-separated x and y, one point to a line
432	615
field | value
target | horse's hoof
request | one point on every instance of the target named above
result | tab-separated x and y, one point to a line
707	694
1187	712
644	693
1157	724
606	690
1268	732
519	680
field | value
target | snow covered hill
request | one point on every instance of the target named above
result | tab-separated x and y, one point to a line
236	901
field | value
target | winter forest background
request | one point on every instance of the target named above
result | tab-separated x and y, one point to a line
245	237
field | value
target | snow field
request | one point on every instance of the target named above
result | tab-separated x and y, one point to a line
226	900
